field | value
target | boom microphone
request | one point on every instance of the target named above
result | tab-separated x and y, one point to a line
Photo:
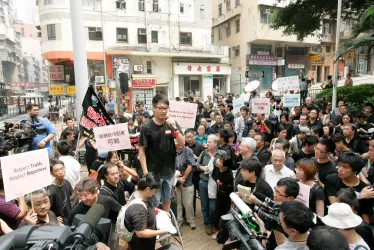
88	224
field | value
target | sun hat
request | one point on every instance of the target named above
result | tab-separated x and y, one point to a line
341	216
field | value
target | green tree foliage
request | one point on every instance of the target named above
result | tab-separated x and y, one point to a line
304	17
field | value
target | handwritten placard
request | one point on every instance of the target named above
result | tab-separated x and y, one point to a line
112	137
184	113
261	106
288	83
291	100
23	176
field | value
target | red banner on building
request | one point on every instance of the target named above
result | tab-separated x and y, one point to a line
143	83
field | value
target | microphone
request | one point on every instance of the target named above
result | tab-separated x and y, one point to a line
88	224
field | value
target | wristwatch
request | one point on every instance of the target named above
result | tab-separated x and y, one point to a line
45	140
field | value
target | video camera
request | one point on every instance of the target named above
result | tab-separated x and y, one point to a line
237	225
90	230
268	211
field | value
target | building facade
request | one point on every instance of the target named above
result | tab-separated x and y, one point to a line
253	46
153	45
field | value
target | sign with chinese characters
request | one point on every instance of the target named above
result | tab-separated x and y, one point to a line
112	137
145	83
56	89
201	69
238	104
261	106
19	175
255	74
315	58
288	83
184	113
23	84
56	73
71	90
296	66
291	100
261	60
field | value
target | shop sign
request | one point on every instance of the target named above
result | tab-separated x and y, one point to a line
56	73
71	90
57	90
22	84
315	58
255	74
201	69
262	60
144	83
296	66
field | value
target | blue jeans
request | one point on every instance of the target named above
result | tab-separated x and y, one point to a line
164	192
208	206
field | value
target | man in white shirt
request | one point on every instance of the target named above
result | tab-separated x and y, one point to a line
72	166
277	170
240	123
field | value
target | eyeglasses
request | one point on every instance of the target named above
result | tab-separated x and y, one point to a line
162	108
319	150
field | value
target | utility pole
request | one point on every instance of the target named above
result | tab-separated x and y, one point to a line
104	52
336	69
80	57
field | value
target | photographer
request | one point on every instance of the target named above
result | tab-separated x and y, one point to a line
44	128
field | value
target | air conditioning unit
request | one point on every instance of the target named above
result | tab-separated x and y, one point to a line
99	79
138	67
142	32
267	11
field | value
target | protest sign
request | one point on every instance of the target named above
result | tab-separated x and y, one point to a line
303	194
291	100
184	113
238	103
112	137
288	83
94	114
25	173
261	106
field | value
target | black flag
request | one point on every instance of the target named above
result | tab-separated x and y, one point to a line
94	114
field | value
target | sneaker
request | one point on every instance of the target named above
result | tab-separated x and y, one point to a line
193	225
214	236
208	229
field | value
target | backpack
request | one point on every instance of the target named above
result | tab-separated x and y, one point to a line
95	174
121	229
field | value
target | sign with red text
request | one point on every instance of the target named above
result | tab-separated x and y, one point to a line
112	137
201	69
56	73
261	106
20	175
303	194
184	113
145	83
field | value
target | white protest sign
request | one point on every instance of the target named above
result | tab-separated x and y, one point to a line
261	106
184	113
112	137
288	83
291	100
303	194
238	104
25	173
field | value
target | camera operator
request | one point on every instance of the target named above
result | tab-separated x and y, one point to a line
44	128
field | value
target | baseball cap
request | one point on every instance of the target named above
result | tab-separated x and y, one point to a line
341	216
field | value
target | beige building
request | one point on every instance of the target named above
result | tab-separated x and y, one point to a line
265	53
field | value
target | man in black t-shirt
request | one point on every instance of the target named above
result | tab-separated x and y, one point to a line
324	166
308	150
350	165
157	148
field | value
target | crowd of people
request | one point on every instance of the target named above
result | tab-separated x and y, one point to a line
330	152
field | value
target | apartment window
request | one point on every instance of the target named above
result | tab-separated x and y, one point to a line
326	29
120	5
181	8
51	31
228	28
228	4
154	36
47	2
88	2
237	50
328	49
141	5
255	48
142	36
237	3
266	15
237	24
155	6
220	9
185	38
149	67
220	33
122	35
95	34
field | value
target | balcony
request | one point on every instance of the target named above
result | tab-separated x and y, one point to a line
228	15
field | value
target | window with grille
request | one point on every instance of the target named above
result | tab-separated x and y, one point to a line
141	5
155	6
260	47
51	31
149	67
185	38
122	35
95	34
120	5
154	36
142	36
237	24
266	15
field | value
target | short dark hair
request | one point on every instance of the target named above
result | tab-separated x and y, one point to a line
361	115
221	105
317	130
69	119
310	140
53	162
285	142
297	215
190	130
233	134
329	145
286	116
351	125
336	138
292	187
63	147
88	185
252	165
110	155
226	161
348	196
225	135
159	98
30	106
262	136
108	165
190	98
149	180
230	107
354	160
326	238
245	108
368	104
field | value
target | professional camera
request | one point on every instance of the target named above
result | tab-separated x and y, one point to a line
237	225
268	211
91	228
